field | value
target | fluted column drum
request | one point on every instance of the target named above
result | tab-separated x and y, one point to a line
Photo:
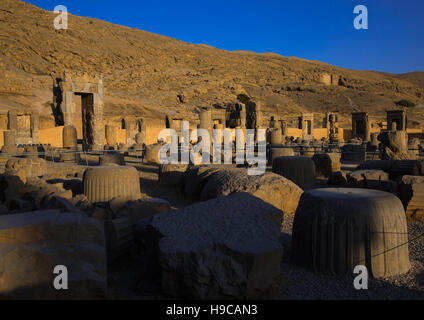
107	182
336	229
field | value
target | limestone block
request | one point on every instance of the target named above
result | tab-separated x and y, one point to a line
34	243
218	249
269	187
326	163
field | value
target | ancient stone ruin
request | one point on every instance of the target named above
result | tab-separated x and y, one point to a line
306	123
396	120
204	231
78	101
361	126
25	126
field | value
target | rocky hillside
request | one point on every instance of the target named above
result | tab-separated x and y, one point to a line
149	75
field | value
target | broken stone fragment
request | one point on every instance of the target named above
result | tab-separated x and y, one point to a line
411	193
326	163
152	153
55	201
172	174
366	178
34	243
218	249
337	178
371	179
33	167
269	187
143	208
119	238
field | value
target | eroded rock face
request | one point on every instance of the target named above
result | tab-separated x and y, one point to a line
269	187
33	243
222	248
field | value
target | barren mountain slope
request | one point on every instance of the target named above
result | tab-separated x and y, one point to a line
150	75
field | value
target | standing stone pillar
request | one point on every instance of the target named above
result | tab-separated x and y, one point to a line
131	131
143	131
12	120
98	125
367	130
35	119
242	116
141	136
9	146
69	137
9	138
169	122
69	108
206	120
284	128
258	112
111	135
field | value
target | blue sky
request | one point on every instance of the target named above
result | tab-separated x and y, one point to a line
314	30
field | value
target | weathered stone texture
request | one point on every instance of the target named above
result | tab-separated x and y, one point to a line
368	227
222	248
107	182
33	243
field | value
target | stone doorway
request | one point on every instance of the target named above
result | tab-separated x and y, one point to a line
360	127
84	118
86	113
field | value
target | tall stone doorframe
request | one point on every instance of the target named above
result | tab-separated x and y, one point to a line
397	120
89	89
361	126
25	126
306	123
253	115
234	116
